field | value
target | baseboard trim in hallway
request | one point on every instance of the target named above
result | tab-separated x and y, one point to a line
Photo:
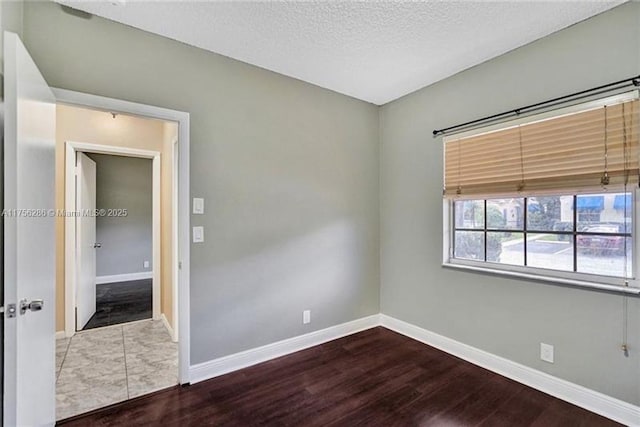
167	325
128	277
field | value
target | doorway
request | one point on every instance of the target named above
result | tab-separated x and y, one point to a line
31	242
132	251
114	239
119	338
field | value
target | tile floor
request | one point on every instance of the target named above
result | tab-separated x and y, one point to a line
102	366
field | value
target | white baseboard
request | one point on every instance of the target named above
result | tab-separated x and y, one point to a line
588	399
60	334
233	362
174	338
591	400
124	277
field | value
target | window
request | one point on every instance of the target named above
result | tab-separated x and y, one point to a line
549	195
543	232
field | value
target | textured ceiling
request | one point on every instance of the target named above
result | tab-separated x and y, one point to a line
374	51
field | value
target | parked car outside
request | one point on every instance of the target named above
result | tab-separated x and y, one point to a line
603	242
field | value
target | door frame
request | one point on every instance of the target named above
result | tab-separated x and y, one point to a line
182	264
70	246
175	253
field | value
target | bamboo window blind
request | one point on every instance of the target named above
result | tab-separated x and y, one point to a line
576	152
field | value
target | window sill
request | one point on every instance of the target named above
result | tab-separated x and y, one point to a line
627	290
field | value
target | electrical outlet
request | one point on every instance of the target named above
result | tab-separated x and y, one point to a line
306	317
546	352
145	264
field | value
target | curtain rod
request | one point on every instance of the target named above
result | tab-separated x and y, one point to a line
632	81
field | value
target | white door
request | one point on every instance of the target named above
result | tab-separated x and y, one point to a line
85	239
29	240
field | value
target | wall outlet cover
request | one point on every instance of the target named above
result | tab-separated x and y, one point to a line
145	264
306	317
546	352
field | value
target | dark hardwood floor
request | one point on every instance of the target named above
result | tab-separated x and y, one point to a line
373	378
121	302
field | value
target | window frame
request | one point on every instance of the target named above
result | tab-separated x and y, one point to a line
630	285
539	272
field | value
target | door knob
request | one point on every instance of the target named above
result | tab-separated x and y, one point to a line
97	245
34	305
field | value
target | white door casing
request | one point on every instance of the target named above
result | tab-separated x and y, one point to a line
85	239
175	261
73	263
184	226
29	244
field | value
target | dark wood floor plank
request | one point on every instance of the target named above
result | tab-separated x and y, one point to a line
523	408
373	378
356	395
562	414
121	302
478	405
434	403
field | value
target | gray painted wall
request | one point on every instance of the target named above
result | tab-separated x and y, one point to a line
124	183
10	20
290	176
289	172
505	317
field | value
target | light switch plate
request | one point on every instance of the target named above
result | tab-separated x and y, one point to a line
198	206
306	317
198	234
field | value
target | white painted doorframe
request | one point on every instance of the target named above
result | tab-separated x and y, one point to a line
175	253
183	194
71	267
